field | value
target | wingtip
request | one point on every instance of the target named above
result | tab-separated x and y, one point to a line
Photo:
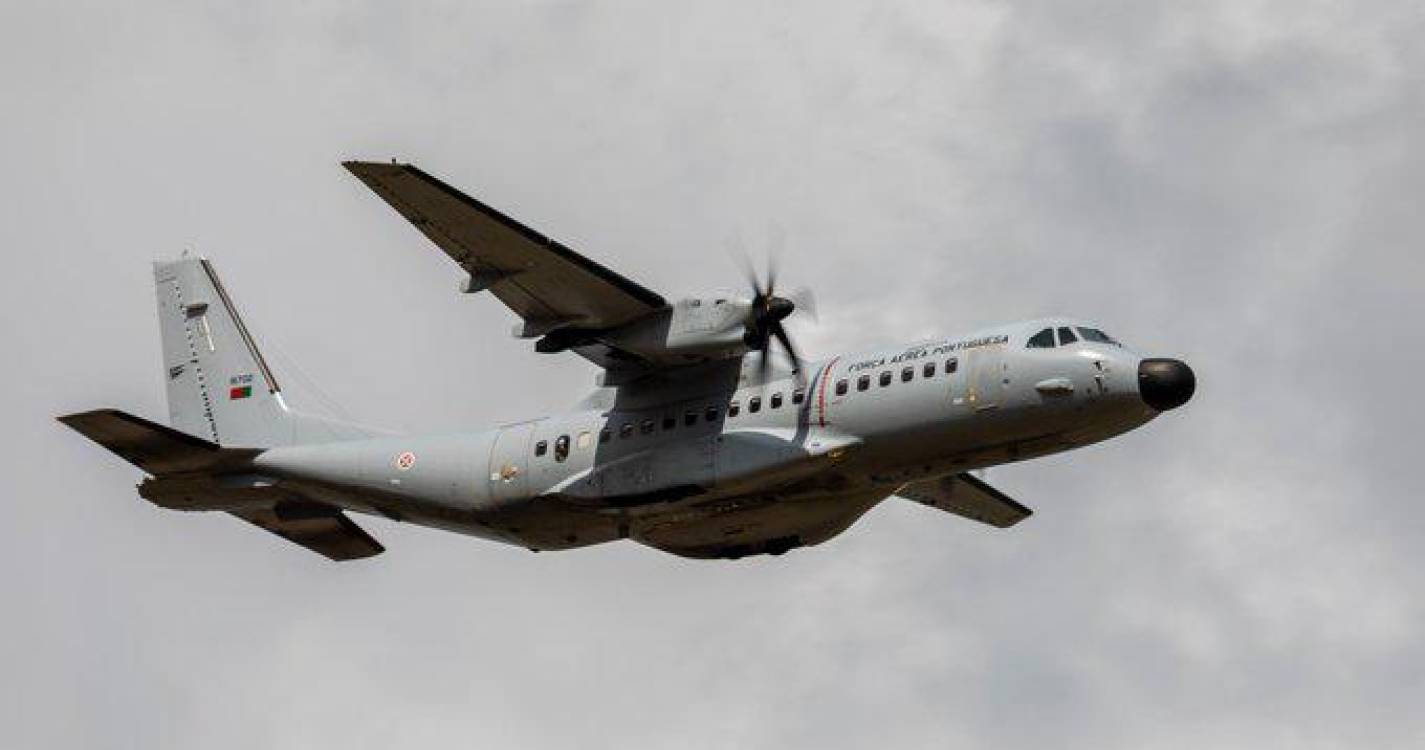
69	420
357	166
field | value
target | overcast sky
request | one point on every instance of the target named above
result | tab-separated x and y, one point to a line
1236	183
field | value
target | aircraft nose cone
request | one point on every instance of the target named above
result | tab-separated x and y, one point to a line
1165	383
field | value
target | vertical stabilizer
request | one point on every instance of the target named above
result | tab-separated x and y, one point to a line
219	386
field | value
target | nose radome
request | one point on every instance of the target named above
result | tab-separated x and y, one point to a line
1165	383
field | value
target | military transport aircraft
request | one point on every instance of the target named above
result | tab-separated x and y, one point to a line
695	441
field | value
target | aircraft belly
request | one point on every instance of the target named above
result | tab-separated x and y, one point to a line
550	524
754	524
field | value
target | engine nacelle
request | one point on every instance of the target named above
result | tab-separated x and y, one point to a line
690	330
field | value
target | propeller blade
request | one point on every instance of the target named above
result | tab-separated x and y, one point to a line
771	274
776	242
737	250
805	301
786	342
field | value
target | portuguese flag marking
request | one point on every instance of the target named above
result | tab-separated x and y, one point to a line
239	391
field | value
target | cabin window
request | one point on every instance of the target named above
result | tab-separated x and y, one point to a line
885	378
690	417
907	374
561	448
929	370
1042	340
863	382
541	448
605	436
951	365
733	409
585	440
669	421
777	400
798	396
710	414
1066	336
626	430
646	427
841	387
754	404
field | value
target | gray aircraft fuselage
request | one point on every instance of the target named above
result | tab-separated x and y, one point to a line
694	443
680	471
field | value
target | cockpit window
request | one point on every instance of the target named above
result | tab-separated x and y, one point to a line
1066	336
1042	340
1094	334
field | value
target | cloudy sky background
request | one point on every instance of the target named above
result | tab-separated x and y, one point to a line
1237	183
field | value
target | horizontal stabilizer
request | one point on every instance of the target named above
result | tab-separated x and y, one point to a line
320	528
966	496
155	448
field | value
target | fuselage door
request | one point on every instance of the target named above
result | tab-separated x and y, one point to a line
986	373
509	462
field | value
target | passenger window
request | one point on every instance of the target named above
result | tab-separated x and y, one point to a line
561	448
669	422
605	436
1066	336
754	404
626	430
777	400
690	417
646	427
929	370
1042	340
863	382
541	448
951	365
798	396
907	373
710	414
841	387
885	378
733	409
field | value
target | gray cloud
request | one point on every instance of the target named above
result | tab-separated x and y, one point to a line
1234	183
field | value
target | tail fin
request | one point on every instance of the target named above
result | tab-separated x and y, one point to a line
219	386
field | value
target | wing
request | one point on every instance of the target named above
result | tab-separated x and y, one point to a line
966	496
320	528
545	283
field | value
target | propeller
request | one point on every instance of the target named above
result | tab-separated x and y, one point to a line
764	322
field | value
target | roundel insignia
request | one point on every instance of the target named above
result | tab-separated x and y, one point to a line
405	460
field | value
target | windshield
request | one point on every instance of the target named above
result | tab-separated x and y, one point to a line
1094	334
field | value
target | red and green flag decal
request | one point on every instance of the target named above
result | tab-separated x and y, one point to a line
239	391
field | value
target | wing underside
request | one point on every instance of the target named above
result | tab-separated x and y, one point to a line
968	497
549	286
